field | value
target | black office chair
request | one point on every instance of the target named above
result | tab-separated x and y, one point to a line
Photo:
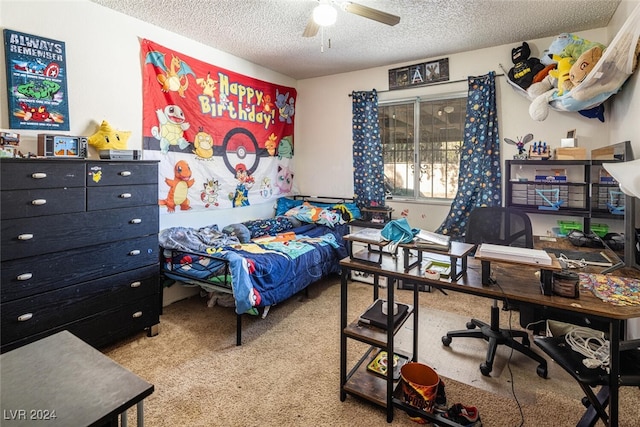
500	226
591	378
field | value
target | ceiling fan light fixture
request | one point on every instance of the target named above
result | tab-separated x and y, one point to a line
325	15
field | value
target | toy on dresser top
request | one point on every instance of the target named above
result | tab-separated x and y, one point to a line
539	150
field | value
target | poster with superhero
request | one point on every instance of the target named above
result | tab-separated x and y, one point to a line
224	140
36	82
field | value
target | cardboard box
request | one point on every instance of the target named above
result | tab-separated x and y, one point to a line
571	153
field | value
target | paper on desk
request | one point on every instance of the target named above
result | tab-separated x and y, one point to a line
429	238
514	254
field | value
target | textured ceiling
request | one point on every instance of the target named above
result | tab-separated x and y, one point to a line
269	32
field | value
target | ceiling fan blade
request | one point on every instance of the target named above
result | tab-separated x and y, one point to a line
368	12
312	28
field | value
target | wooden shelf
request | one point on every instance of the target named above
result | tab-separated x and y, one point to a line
365	384
371	334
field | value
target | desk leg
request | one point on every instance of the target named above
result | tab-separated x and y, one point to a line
343	337
391	284
454	268
376	285
415	322
123	419
486	272
141	414
614	375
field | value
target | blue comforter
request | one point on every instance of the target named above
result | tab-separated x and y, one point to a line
271	269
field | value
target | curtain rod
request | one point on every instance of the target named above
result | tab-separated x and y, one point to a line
432	84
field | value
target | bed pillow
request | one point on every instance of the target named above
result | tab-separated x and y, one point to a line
285	203
349	210
268	227
315	214
238	230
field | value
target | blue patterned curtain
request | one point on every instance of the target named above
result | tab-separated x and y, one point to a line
368	166
479	179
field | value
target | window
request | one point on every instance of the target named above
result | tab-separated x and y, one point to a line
421	141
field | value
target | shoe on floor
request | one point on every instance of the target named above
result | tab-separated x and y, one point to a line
467	416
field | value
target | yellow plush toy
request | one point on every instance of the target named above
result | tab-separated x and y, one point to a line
108	138
562	73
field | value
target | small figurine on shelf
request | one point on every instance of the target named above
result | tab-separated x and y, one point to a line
539	150
520	143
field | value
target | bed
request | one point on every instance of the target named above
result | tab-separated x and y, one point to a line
263	262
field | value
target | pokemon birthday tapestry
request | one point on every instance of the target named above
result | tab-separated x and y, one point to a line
223	139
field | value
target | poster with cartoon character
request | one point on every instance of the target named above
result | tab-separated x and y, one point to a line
36	82
224	140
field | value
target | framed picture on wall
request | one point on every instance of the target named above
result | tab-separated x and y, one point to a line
36	82
419	74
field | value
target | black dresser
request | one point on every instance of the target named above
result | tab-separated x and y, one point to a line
79	249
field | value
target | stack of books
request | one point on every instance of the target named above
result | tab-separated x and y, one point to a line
552	175
430	240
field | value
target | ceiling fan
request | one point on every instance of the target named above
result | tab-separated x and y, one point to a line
325	14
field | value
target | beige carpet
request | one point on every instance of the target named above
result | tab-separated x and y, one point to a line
286	373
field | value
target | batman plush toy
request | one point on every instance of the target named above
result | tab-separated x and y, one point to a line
525	68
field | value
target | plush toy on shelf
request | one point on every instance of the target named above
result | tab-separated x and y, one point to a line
108	138
525	67
562	73
583	65
567	45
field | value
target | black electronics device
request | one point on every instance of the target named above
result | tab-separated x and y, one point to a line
578	238
375	317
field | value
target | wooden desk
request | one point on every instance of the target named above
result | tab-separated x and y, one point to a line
515	284
62	381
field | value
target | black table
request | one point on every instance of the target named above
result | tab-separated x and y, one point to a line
62	381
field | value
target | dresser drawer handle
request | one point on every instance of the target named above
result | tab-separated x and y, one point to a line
135	221
136	284
25	236
137	314
38	175
125	173
25	317
38	202
135	252
125	195
25	276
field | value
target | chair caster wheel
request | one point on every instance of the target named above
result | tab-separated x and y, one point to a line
585	402
541	371
471	325
446	340
485	369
